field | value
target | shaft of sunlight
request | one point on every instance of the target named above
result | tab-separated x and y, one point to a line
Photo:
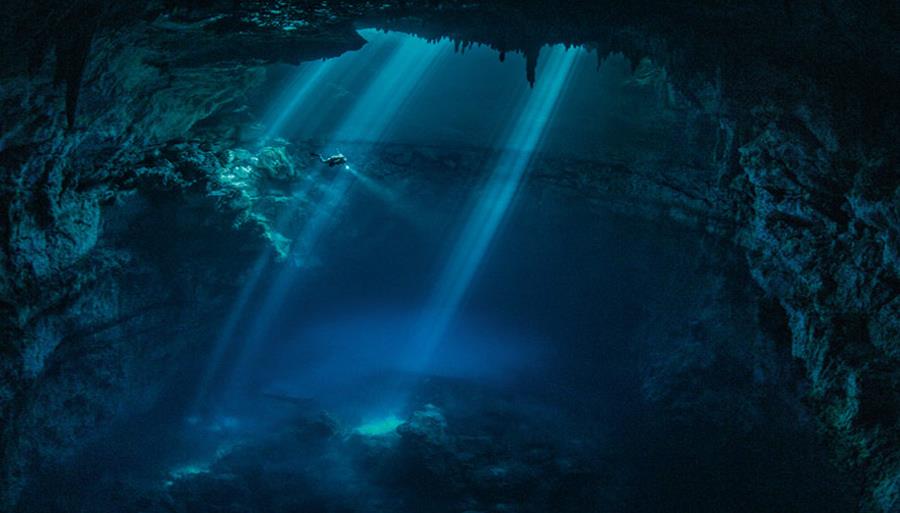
303	97
295	101
225	338
397	79
310	77
494	201
369	119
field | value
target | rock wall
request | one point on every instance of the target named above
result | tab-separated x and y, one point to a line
821	236
99	309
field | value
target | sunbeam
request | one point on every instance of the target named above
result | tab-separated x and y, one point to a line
242	304
494	201
304	97
369	120
309	77
397	79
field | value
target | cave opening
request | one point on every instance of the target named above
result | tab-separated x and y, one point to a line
450	320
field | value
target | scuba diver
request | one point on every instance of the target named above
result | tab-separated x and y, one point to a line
335	160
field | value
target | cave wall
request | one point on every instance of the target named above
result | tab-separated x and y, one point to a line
100	101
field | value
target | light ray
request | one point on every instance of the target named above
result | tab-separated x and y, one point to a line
309	78
287	277
399	77
298	99
240	305
226	335
369	119
377	189
494	202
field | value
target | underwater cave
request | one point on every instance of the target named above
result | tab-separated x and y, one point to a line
283	256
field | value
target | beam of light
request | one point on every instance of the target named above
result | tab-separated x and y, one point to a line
239	307
287	277
390	199
313	77
397	79
309	78
295	101
494	202
378	190
369	119
226	335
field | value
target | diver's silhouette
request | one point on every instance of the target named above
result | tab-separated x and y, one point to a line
335	160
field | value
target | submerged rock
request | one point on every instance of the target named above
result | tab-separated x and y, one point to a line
426	426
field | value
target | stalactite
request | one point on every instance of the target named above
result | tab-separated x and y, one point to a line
72	47
531	58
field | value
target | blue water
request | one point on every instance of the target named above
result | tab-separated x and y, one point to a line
455	330
415	290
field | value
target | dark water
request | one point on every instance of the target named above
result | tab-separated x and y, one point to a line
581	360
